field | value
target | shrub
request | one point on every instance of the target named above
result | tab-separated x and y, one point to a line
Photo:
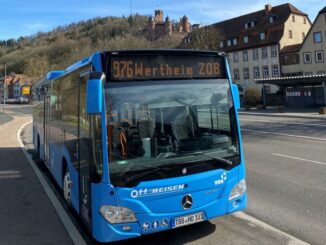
252	96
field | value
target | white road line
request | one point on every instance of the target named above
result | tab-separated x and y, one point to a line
292	240
283	122
298	158
287	135
68	224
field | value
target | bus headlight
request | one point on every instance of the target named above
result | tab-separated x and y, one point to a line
116	215
238	190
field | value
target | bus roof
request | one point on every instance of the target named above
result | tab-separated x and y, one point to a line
166	51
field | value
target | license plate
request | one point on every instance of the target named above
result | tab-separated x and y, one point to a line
187	220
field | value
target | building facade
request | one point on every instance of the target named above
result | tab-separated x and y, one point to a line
255	52
14	84
303	75
253	42
309	57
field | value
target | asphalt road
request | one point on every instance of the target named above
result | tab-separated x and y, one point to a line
286	178
286	174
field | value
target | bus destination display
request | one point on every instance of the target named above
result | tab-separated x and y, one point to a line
163	67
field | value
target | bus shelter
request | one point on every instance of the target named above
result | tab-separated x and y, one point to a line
300	91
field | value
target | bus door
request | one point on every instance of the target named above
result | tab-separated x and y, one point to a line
47	115
85	156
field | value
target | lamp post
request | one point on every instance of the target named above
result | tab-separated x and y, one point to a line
4	89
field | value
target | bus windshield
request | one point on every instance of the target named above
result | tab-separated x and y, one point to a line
169	129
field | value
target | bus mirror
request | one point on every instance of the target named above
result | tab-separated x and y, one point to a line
236	97
94	93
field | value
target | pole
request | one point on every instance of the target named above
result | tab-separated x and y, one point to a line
264	95
4	89
324	85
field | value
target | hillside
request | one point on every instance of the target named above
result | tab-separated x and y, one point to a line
36	55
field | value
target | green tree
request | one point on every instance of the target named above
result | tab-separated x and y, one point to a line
36	67
203	38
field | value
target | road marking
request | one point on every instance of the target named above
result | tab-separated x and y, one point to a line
292	240
68	224
298	158
284	122
287	135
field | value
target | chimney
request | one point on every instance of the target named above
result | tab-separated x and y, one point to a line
268	8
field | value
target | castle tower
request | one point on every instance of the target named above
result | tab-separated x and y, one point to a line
158	16
168	29
151	28
185	24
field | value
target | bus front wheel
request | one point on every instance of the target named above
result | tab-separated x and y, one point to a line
66	187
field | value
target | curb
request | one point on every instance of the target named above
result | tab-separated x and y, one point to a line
292	240
283	115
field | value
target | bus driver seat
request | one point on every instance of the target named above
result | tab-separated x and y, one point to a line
183	126
145	127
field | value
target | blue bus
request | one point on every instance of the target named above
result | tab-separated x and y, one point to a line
142	141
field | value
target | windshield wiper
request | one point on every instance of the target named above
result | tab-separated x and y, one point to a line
223	160
220	159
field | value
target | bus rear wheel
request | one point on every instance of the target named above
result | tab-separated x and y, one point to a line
66	187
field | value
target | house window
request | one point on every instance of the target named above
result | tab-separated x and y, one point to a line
294	59
253	23
256	72
236	74
235	57
304	20
255	54
265	71
245	73
229	43
221	44
235	41
317	37
275	71
274	51
262	36
247	25
319	55
286	60
245	39
264	54
303	35
290	34
271	19
307	57
293	18
245	55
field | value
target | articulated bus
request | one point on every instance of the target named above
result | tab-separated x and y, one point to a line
142	141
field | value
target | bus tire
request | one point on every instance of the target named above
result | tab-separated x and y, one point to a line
66	186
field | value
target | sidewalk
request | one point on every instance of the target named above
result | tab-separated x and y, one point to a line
309	113
26	214
4	118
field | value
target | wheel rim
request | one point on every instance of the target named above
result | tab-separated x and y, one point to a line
67	187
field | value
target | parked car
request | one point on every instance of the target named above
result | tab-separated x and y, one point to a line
23	100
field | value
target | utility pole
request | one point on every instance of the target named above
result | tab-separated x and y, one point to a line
4	89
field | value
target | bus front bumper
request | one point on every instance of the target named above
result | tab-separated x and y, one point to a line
156	222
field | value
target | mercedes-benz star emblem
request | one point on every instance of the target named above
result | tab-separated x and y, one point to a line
186	202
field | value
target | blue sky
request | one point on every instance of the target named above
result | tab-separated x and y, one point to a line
27	17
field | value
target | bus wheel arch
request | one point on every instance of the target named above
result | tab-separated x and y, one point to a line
66	182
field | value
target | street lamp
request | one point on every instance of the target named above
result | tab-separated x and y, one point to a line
4	89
